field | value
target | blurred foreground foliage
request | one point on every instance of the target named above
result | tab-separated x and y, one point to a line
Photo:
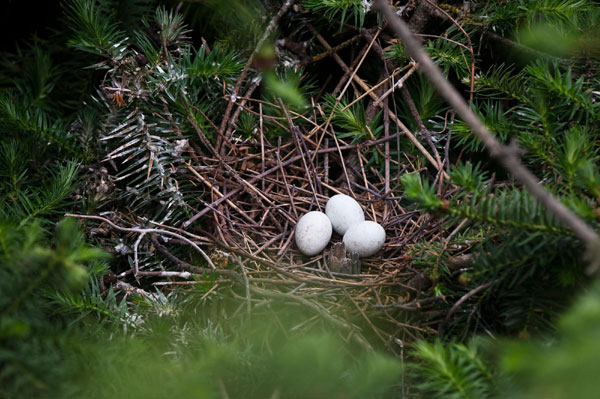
62	339
171	347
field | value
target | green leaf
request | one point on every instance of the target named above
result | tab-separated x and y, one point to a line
420	192
287	90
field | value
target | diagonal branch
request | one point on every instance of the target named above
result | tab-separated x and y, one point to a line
507	156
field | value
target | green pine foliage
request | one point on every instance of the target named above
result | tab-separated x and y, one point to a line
540	105
95	27
343	10
155	83
352	119
34	265
193	359
451	370
567	370
108	116
105	307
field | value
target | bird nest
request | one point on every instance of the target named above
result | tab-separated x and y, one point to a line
255	190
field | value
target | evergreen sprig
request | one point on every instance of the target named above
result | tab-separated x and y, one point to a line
451	370
352	119
95	28
32	341
344	9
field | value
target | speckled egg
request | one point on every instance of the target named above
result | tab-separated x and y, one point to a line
364	239
313	232
344	212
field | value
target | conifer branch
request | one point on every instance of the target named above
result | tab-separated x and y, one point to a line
507	156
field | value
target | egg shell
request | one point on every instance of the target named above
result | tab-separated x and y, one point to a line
344	212
313	232
364	239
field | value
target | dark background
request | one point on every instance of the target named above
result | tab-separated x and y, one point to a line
20	19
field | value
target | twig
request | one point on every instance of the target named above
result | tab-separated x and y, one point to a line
300	144
393	116
386	132
183	275
398	84
240	263
236	114
279	166
191	268
470	47
377	86
130	289
465	297
336	48
145	231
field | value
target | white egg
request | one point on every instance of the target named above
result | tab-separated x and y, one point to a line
364	239
344	212
313	232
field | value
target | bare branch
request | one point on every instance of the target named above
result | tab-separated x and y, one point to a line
142	232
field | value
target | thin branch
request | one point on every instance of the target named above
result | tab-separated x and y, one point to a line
465	297
280	166
143	232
